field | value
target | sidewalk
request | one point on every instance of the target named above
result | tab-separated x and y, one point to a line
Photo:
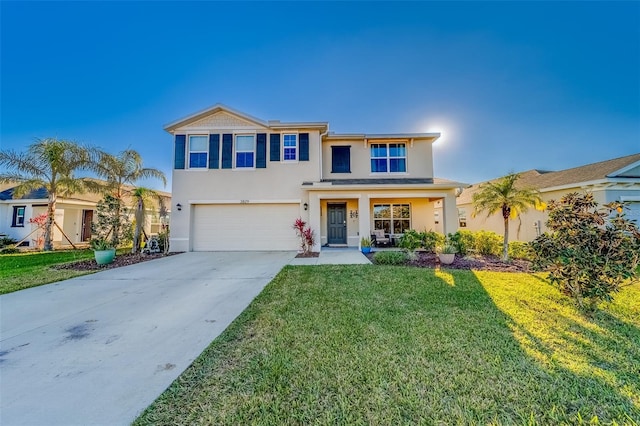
334	256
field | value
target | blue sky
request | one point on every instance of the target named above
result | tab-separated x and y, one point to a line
512	85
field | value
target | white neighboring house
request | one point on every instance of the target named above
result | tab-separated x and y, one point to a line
240	182
73	215
617	179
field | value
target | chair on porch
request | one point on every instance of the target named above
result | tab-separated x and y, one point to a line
379	238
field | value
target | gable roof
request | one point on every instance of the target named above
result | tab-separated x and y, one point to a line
217	108
545	180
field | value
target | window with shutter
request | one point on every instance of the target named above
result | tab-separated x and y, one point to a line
341	159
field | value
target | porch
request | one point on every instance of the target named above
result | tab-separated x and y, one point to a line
342	218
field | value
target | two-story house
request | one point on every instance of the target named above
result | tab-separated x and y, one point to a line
239	183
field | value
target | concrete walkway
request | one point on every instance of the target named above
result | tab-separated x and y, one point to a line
334	256
98	349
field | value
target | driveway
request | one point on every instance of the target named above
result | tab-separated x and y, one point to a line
99	349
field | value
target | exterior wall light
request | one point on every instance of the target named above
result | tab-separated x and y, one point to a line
179	206
306	206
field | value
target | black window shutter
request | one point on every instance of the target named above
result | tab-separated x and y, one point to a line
274	143
304	146
227	151
214	151
340	159
261	151
181	146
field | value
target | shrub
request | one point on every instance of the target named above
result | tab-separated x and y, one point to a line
6	241
411	240
520	250
431	240
463	241
488	243
9	250
390	258
591	251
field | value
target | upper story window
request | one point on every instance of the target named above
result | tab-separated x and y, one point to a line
198	151
340	159
18	216
245	151
289	147
388	158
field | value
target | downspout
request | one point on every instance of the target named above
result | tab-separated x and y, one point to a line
322	135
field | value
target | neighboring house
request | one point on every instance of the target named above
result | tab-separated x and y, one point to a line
239	183
612	180
73	215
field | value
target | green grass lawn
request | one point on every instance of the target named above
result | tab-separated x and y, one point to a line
23	270
396	345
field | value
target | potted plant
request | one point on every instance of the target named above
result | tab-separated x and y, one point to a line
103	251
447	253
365	245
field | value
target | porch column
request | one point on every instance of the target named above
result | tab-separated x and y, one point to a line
449	214
364	218
314	219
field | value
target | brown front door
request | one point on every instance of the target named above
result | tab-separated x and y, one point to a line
87	218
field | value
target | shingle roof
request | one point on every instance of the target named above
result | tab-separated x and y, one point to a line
544	179
38	194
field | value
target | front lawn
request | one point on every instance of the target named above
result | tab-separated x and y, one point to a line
397	345
23	270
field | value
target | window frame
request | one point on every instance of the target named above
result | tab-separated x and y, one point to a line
296	148
236	151
391	218
189	152
346	148
387	157
462	218
17	221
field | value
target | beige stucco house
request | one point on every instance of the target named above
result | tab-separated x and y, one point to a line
612	180
74	215
239	183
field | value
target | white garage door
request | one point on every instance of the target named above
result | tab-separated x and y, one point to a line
222	227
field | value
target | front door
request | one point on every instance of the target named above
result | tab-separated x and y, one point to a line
87	218
337	217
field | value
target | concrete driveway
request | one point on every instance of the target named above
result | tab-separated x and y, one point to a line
99	349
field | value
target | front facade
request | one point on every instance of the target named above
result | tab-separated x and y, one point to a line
612	180
239	183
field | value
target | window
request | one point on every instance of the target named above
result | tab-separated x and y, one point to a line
289	147
462	218
392	218
198	151
388	158
18	216
245	151
340	159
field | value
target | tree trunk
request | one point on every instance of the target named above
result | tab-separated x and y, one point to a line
505	244
138	231
48	229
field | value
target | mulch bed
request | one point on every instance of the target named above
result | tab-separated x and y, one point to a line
120	260
475	262
310	254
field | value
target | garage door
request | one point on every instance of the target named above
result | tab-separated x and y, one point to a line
223	227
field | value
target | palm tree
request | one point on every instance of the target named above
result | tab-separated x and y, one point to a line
141	198
505	196
49	163
121	172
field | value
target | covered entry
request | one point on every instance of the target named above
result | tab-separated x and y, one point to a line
239	227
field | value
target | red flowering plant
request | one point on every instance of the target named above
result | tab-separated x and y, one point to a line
307	237
40	222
